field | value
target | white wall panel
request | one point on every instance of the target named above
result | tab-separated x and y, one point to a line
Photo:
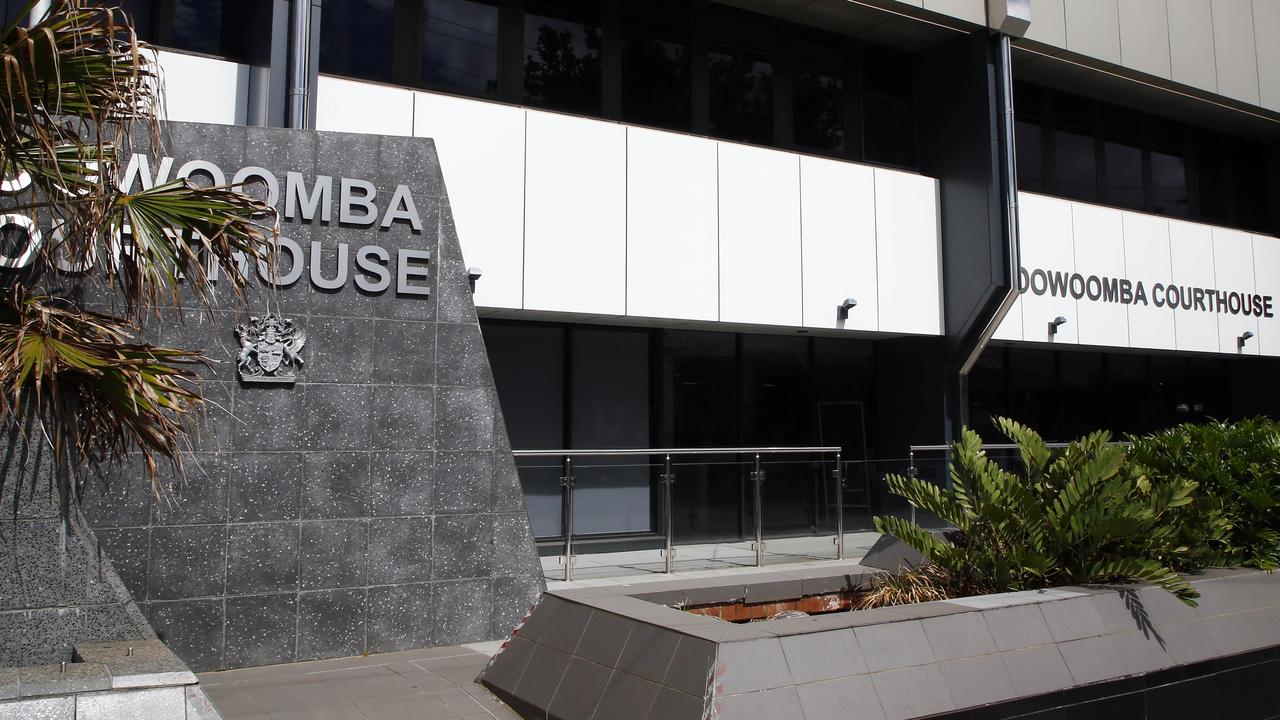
356	107
1266	271
1011	327
1146	252
481	148
1266	34
671	226
907	253
1144	36
838	212
1233	271
1191	255
1048	23
759	236
974	11
199	89
1191	43
1093	28
1237	60
1047	244
575	215
1099	250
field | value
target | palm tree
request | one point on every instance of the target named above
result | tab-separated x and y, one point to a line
79	92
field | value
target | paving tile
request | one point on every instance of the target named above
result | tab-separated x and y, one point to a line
767	705
1188	642
1013	628
823	656
1141	652
605	636
1163	608
649	652
749	666
580	691
1072	619
912	692
627	697
975	681
1036	670
542	677
692	666
1092	660
1120	611
897	645
1237	632
847	698
1216	598
506	668
957	636
675	705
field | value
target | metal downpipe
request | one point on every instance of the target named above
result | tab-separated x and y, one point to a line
299	45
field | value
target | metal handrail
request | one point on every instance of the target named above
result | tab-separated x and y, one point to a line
567	482
673	451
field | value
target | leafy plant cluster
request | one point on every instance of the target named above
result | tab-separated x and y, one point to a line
1194	496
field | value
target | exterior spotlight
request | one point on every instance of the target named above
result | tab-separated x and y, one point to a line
1240	341
842	310
1055	323
473	274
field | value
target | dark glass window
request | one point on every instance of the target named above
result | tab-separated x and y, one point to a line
1122	158
819	108
888	125
235	30
142	12
1030	147
357	38
1250	188
656	74
1033	391
460	45
988	393
562	56
741	96
1083	392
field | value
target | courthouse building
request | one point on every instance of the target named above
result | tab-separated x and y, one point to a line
788	222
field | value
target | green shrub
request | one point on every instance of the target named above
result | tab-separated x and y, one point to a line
1235	517
1078	515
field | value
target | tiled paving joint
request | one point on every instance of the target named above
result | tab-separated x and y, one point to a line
614	652
139	679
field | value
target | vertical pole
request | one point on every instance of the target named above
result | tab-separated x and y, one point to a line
299	59
667	479
566	523
839	478
758	475
911	473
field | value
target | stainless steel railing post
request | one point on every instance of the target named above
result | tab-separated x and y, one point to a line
668	552
912	473
838	475
566	525
758	476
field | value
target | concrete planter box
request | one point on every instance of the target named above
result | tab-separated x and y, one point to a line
625	652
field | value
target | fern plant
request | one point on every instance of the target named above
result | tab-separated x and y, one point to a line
1072	516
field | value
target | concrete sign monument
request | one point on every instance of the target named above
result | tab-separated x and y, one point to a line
352	489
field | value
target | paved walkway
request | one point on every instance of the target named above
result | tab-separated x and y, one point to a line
433	684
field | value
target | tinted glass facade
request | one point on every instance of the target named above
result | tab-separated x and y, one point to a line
690	66
231	29
1078	148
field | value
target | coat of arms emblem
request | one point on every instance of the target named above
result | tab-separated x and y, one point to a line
269	348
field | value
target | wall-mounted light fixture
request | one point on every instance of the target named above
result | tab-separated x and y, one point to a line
842	310
1241	340
1055	324
473	274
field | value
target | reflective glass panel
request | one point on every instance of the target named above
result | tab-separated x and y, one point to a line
741	96
356	38
562	57
1076	165
1124	175
819	109
1029	139
460	45
655	79
1169	184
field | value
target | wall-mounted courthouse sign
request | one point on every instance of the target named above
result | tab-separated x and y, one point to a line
1100	288
371	267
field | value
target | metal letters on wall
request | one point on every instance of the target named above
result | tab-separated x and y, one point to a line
269	348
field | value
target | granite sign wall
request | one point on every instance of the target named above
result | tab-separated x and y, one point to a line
369	505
